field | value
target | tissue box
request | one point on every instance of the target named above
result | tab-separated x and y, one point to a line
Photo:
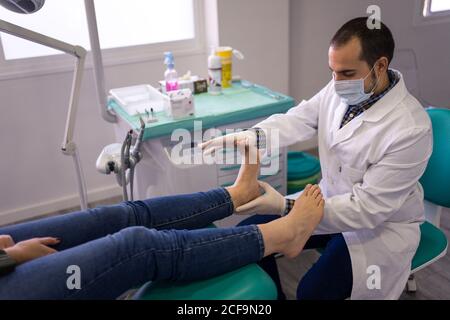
179	104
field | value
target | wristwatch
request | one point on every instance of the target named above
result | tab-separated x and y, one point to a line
260	137
7	264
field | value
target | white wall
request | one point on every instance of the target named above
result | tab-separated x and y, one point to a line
313	23
260	29
35	177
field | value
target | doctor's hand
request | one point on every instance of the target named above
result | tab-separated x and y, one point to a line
271	202
32	249
234	139
6	241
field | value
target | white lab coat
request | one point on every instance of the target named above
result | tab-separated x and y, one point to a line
370	173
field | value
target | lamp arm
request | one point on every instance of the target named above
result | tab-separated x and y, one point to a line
99	73
68	146
44	40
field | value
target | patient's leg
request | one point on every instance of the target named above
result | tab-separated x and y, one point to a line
110	265
297	226
246	187
189	211
131	257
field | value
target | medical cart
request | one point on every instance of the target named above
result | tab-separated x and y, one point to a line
238	107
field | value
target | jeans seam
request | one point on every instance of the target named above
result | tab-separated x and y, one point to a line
261	242
228	198
145	251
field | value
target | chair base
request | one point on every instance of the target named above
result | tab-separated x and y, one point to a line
411	286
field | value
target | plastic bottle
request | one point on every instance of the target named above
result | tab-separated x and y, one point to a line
171	75
226	54
215	73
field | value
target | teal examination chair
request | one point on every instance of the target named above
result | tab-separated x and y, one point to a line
436	185
247	283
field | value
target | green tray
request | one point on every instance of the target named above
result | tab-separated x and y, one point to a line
236	104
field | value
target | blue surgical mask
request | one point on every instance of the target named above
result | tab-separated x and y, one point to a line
352	92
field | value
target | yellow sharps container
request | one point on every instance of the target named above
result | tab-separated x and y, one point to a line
226	55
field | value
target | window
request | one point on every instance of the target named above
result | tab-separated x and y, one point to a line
436	8
121	24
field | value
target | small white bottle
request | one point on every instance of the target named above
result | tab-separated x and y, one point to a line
214	73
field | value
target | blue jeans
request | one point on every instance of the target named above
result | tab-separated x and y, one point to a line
330	278
123	246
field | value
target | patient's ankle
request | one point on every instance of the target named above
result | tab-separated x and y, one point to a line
241	195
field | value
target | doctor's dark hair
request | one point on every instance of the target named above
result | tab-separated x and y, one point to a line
375	43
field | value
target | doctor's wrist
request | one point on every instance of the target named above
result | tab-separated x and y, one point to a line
289	204
259	136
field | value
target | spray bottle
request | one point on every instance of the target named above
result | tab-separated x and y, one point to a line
171	75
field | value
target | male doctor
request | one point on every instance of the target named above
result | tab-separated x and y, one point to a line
375	140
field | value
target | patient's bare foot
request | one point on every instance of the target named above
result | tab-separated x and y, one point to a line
289	234
246	187
305	216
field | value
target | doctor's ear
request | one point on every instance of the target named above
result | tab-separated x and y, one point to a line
382	65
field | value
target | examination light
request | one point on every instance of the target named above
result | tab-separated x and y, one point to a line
68	146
